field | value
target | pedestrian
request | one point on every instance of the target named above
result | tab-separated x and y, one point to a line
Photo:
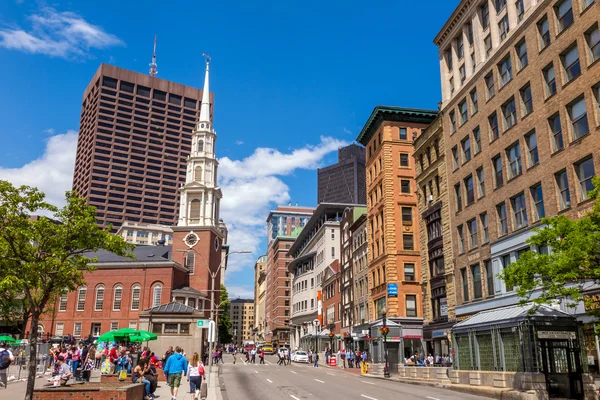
342	356
253	354
89	363
316	360
234	355
6	358
195	372
310	356
262	356
137	376
221	357
176	365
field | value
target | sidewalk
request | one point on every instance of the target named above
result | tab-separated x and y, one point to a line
214	390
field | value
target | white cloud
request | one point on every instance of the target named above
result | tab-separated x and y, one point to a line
239	142
253	186
241	292
49	131
58	34
52	173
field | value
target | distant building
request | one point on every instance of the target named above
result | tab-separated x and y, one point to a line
148	234
344	182
360	280
241	315
260	283
332	315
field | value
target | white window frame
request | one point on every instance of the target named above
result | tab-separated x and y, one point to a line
584	181
135	298
117	297
576	119
156	295
62	303
99	298
77	329
81	298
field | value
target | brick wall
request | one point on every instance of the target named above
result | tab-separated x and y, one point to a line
90	391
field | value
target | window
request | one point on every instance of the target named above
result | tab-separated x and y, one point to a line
402	134
77	329
585	173
498	178
60	326
493	120
519	211
513	154
564	14
537	196
521	49
473	62
469	189
500	4
549	80
453	121
461	239
462	73
476	276
480	182
455	157
596	91
485	234
544	30
592	37
407	215
509	111
562	181
99	298
505	70
532	149
570	62
485	15
487	43
489	275
520	7
458	196
333	252
404	160
465	144
579	121
555	128
190	261
506	264
81	298
156	295
118	295
62	303
408	242
474	101
114	326
411	305
472	226
465	284
409	272
451	83
460	47
502	221
489	84
135	297
464	111
503	27
526	100
405	186
476	140
586	4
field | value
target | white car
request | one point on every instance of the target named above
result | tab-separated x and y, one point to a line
300	356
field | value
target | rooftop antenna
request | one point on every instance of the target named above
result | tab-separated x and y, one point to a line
153	66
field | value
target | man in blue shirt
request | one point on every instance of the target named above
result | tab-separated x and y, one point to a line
176	365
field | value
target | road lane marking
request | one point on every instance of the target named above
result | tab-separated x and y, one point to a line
270	381
371	383
318	380
368	397
294	397
268	362
256	371
432	398
294	372
329	373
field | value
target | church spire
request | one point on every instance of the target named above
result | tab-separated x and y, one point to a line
205	106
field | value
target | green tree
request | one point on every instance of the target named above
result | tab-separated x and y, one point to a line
224	321
43	258
572	264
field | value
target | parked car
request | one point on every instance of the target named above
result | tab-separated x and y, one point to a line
300	356
268	348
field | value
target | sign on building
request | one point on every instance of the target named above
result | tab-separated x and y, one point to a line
392	290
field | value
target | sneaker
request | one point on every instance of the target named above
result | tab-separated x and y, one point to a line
147	397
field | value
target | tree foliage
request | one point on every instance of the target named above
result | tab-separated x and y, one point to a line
224	321
570	267
43	258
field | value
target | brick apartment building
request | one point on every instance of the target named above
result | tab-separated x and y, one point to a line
360	280
437	272
134	136
521	92
393	234
332	306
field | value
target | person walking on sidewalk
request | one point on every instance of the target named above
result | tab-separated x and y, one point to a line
176	365
253	358
316	360
342	356
195	372
234	355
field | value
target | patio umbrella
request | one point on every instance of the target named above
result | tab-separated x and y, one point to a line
7	339
143	336
112	336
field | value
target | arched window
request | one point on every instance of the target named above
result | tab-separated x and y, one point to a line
81	293
200	145
118	295
189	262
135	297
99	298
198	174
156	295
195	211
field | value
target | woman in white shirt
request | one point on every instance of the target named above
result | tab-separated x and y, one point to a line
195	372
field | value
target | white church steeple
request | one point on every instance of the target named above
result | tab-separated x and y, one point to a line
200	196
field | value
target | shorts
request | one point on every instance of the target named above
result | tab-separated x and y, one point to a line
175	380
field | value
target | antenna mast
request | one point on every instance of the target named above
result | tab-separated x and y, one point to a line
153	66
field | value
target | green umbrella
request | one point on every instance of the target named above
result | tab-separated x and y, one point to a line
7	339
112	336
146	336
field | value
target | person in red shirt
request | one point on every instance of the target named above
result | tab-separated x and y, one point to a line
262	356
113	357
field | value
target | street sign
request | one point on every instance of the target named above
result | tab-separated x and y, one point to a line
392	290
203	323
316	322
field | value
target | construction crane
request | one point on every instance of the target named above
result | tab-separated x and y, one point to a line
153	66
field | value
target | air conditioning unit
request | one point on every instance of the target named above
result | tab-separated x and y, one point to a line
430	198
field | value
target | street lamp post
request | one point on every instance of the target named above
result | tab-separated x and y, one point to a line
384	331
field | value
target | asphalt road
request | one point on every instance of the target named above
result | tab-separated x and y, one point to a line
304	382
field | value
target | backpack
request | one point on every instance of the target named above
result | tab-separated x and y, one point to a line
4	359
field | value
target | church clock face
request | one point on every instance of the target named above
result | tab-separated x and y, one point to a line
191	239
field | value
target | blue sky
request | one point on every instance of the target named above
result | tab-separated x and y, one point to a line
292	82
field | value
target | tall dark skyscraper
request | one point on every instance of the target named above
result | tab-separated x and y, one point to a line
134	139
344	182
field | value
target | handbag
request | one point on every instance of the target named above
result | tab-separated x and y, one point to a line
122	374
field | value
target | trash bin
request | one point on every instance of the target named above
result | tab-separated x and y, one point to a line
332	361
